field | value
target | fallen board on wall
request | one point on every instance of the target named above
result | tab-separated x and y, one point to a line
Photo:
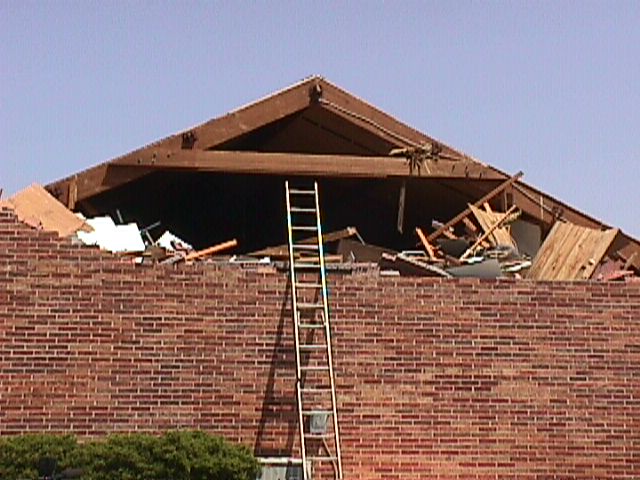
571	252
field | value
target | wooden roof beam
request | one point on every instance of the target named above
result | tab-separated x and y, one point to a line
302	164
97	179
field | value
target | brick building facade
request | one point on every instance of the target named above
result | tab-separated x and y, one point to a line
436	378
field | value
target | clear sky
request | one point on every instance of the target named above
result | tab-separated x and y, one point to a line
548	87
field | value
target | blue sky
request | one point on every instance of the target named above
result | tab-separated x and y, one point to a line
550	88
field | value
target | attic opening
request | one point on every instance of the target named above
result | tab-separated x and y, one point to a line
209	208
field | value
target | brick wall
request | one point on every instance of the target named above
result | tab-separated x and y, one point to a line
436	378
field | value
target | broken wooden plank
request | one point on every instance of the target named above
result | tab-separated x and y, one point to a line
38	208
498	235
425	243
497	223
571	252
211	250
466	211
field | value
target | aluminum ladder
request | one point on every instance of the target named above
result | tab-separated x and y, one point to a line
315	380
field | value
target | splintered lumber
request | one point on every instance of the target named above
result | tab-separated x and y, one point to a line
425	243
571	252
500	188
497	223
211	250
499	235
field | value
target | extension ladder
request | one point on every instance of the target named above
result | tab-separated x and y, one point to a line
315	381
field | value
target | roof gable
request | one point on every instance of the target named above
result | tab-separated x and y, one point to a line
338	134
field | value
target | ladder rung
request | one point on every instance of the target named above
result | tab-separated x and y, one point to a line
310	306
296	191
308	285
303	210
318	436
305	247
311	325
308	413
306	265
308	259
315	390
321	459
310	228
314	368
313	347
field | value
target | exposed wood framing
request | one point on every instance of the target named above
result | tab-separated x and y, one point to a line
489	231
467	211
97	179
297	99
376	121
301	164
72	197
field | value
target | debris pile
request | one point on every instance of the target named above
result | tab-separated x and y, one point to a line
480	242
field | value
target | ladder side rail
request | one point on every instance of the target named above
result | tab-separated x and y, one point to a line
296	321
327	326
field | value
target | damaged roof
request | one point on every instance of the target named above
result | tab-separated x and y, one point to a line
223	179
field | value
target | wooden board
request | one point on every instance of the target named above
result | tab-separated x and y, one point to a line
38	208
500	235
571	252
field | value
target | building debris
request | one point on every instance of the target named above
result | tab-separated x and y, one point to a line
211	250
173	243
109	236
406	265
38	208
484	248
571	252
486	268
282	251
356	251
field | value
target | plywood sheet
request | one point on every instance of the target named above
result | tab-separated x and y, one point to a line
37	207
571	252
499	236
